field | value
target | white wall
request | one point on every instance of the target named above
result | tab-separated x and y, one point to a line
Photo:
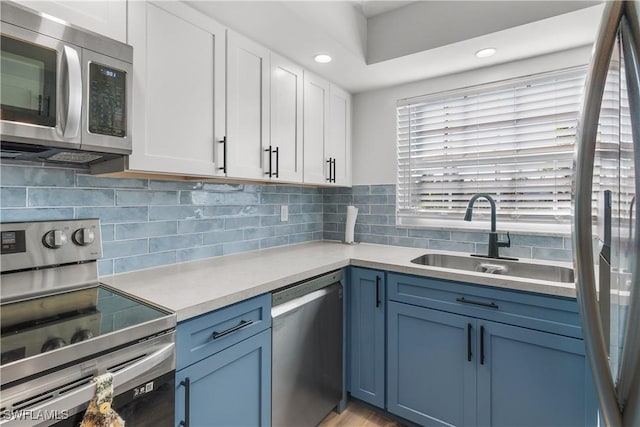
374	112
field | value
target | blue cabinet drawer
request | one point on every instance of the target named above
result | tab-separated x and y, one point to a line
210	333
541	312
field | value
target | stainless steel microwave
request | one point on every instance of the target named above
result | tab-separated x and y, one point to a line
66	92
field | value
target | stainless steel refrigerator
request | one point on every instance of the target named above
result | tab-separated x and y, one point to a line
606	244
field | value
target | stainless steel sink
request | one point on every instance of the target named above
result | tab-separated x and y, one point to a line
502	267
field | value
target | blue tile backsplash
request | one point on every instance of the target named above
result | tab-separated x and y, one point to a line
148	223
377	218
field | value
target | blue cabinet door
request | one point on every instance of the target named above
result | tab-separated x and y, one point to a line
229	388
366	296
431	360
531	378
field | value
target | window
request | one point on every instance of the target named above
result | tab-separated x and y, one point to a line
513	140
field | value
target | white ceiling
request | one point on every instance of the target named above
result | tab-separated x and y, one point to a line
377	44
371	8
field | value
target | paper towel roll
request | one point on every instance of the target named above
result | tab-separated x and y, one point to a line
352	213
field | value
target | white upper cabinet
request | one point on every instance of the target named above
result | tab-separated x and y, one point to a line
247	107
106	17
285	146
316	125
179	93
327	133
338	144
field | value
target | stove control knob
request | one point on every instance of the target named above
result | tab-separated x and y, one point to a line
52	344
54	239
83	236
81	335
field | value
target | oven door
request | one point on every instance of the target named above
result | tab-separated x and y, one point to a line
150	404
143	379
41	96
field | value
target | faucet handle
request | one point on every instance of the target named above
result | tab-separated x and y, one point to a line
505	244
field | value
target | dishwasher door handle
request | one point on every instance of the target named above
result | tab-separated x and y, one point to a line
294	304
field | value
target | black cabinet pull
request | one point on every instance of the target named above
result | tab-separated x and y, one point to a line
330	161
378	291
187	398
215	335
277	151
480	303
334	170
469	353
224	154
482	345
269	150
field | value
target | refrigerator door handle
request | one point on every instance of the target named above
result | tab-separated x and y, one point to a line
582	227
631	344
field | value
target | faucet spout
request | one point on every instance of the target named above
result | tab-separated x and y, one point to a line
494	243
469	212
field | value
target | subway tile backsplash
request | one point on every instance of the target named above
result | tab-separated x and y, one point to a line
376	224
148	223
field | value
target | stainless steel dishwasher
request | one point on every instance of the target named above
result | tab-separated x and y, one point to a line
307	351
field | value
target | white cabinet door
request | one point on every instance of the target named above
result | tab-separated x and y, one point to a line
178	104
247	107
338	144
286	120
106	17
316	106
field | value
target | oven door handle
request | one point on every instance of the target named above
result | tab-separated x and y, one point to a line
84	394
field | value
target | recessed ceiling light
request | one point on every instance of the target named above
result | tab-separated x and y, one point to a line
484	53
322	58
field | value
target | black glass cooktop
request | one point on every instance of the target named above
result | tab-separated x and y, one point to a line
47	323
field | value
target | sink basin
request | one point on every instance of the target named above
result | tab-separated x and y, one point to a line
502	267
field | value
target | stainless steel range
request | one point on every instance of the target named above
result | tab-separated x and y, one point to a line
60	327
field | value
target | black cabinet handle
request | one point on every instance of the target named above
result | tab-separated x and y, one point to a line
378	291
215	335
334	170
269	150
224	154
330	161
187	398
469	353
480	303
482	345
277	151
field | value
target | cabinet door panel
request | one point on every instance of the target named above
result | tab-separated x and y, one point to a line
286	118
316	108
230	388
532	378
367	338
430	379
177	121
247	106
339	140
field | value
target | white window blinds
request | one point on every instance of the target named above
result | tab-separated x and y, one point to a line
514	141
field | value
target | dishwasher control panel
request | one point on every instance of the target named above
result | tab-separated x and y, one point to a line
299	289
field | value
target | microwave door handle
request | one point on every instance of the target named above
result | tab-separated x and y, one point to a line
74	95
82	395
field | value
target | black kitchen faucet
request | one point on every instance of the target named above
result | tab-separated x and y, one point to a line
494	243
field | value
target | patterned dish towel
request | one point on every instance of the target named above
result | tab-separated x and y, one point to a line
99	413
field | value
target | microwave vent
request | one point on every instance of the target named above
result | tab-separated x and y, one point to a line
74	157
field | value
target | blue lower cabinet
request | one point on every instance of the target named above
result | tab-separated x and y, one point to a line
366	295
229	388
431	366
531	378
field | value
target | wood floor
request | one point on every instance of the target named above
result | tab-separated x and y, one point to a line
358	415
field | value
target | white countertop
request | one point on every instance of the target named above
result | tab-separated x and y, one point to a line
197	287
